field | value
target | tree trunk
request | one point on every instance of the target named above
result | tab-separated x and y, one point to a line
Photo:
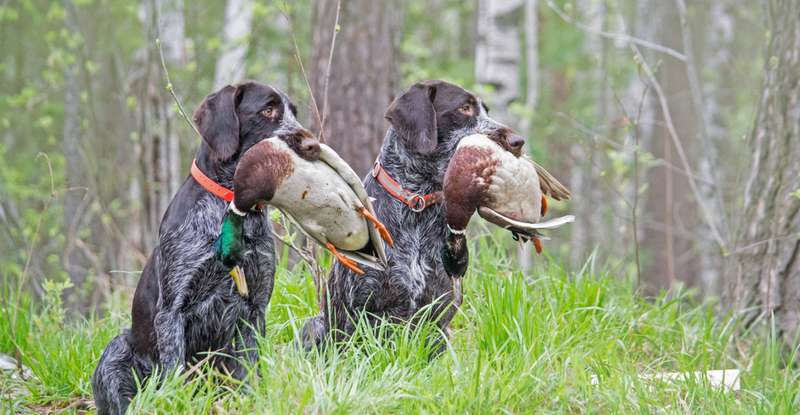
531	25
767	269
498	63
590	226
75	174
669	210
159	142
497	53
361	84
172	35
720	22
230	66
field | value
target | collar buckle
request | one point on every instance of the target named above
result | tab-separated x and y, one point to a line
417	203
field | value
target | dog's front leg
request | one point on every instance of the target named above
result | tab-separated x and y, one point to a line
169	325
245	347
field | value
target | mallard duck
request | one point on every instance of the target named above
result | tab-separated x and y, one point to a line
508	191
323	197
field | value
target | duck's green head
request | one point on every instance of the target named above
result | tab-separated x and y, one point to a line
229	246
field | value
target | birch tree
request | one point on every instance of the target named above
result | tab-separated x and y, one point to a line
584	179
75	174
497	53
158	144
498	64
230	67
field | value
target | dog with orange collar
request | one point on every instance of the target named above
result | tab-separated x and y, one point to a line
427	260
186	304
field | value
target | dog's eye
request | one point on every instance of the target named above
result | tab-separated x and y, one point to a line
467	109
269	112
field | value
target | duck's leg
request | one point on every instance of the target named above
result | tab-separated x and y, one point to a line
378	225
544	205
349	263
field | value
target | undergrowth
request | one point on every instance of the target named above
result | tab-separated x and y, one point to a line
549	341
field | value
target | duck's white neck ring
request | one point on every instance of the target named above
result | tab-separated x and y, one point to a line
233	209
456	232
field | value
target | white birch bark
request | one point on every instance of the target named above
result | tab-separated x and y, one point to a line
589	226
497	65
75	174
230	67
531	28
173	42
497	52
720	42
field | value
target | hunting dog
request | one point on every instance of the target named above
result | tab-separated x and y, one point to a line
186	304
428	259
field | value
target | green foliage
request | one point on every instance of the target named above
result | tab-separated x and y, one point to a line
552	341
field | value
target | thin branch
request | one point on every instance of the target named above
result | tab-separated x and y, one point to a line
624	37
676	141
300	63
29	253
328	73
593	135
171	89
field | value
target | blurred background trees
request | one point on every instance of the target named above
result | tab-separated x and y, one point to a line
643	107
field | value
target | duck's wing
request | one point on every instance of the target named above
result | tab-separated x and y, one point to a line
550	185
360	257
331	158
525	228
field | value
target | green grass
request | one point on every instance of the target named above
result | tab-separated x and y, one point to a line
520	344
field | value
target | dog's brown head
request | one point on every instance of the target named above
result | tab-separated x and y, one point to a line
432	114
234	118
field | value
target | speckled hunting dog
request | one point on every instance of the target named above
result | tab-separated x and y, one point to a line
428	260
186	303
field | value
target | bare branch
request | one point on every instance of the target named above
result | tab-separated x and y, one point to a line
172	90
676	141
300	63
624	37
328	73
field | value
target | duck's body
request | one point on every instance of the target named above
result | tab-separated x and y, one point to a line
324	197
504	189
321	202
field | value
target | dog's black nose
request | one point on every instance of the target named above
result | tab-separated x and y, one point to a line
516	142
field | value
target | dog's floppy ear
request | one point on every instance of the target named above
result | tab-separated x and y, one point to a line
218	123
413	116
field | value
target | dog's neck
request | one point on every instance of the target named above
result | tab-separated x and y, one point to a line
420	173
219	171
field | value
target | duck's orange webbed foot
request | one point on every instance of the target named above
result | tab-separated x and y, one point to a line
544	204
349	263
537	243
378	225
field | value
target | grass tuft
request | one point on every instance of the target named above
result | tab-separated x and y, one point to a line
533	343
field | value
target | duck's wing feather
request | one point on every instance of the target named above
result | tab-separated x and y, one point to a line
332	158
550	185
360	257
505	222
